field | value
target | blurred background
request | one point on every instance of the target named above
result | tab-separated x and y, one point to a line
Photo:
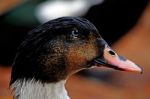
124	24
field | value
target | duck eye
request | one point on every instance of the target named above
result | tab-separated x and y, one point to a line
74	33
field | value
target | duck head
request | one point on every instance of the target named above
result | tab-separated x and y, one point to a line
61	47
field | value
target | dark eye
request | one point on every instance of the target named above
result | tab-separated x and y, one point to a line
74	33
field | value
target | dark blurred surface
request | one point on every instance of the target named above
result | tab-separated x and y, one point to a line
10	37
114	18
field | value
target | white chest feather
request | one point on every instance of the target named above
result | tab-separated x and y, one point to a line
36	90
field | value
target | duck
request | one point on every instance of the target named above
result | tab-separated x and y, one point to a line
54	51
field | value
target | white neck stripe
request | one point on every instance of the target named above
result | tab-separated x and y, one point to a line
32	89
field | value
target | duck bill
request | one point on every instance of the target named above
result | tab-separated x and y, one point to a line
110	59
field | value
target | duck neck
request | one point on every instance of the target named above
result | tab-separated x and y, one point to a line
32	89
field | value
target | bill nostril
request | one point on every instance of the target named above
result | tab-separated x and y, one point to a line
111	52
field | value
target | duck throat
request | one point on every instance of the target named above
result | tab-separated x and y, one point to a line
32	89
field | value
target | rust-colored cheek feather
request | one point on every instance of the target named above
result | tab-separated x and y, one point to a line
79	56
